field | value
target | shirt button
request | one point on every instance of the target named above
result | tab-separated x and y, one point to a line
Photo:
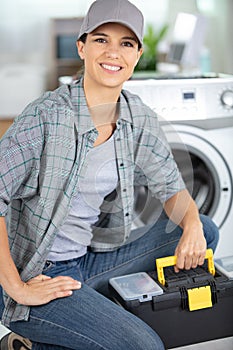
121	164
118	139
124	190
127	214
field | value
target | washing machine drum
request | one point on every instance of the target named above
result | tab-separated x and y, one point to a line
199	180
206	176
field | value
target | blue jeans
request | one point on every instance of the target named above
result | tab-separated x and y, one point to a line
88	319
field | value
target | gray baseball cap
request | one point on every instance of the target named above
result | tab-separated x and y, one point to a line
114	11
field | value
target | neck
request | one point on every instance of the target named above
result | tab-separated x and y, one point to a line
97	95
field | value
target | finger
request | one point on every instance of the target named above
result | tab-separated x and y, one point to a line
179	263
194	262
44	277
201	261
63	278
44	291
184	261
63	281
201	258
188	262
50	286
38	278
61	294
47	296
62	289
198	258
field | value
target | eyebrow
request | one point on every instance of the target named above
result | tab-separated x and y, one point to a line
124	38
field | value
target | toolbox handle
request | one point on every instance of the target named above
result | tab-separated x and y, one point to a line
171	261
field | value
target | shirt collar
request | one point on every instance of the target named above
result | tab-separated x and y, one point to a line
83	118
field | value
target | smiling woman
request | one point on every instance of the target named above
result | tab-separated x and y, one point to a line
69	166
110	53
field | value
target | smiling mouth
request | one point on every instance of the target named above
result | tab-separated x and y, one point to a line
111	68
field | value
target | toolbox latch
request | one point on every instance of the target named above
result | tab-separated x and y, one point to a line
199	298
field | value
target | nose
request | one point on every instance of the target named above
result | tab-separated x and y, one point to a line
112	51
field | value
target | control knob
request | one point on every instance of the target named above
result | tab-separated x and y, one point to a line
227	98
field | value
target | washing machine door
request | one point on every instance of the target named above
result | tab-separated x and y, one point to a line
204	171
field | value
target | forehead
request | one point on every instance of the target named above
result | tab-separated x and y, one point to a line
114	29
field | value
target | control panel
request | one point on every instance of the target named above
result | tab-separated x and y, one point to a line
186	99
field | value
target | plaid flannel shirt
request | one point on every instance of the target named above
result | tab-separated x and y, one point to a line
42	157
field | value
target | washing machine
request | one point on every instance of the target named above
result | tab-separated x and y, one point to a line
196	114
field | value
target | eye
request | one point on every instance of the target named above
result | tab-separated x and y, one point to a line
100	40
127	44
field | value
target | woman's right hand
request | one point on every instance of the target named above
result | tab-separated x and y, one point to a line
36	291
42	289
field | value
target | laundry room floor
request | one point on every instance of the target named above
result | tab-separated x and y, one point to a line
220	344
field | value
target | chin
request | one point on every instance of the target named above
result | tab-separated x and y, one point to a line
113	83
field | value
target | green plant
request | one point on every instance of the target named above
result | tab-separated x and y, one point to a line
150	43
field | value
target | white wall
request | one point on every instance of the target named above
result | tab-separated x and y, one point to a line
24	26
25	45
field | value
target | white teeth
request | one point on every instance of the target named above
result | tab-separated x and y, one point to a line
113	68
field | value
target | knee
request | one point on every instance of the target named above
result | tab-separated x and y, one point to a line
211	232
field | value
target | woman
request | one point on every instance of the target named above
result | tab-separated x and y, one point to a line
69	165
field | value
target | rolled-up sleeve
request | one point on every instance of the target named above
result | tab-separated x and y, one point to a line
156	167
19	155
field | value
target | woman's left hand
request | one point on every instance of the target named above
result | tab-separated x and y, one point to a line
191	249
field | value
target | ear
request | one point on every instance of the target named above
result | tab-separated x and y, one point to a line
80	47
140	52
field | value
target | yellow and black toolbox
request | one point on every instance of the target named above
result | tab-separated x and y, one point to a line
184	308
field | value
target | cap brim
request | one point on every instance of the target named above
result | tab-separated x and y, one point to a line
124	23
